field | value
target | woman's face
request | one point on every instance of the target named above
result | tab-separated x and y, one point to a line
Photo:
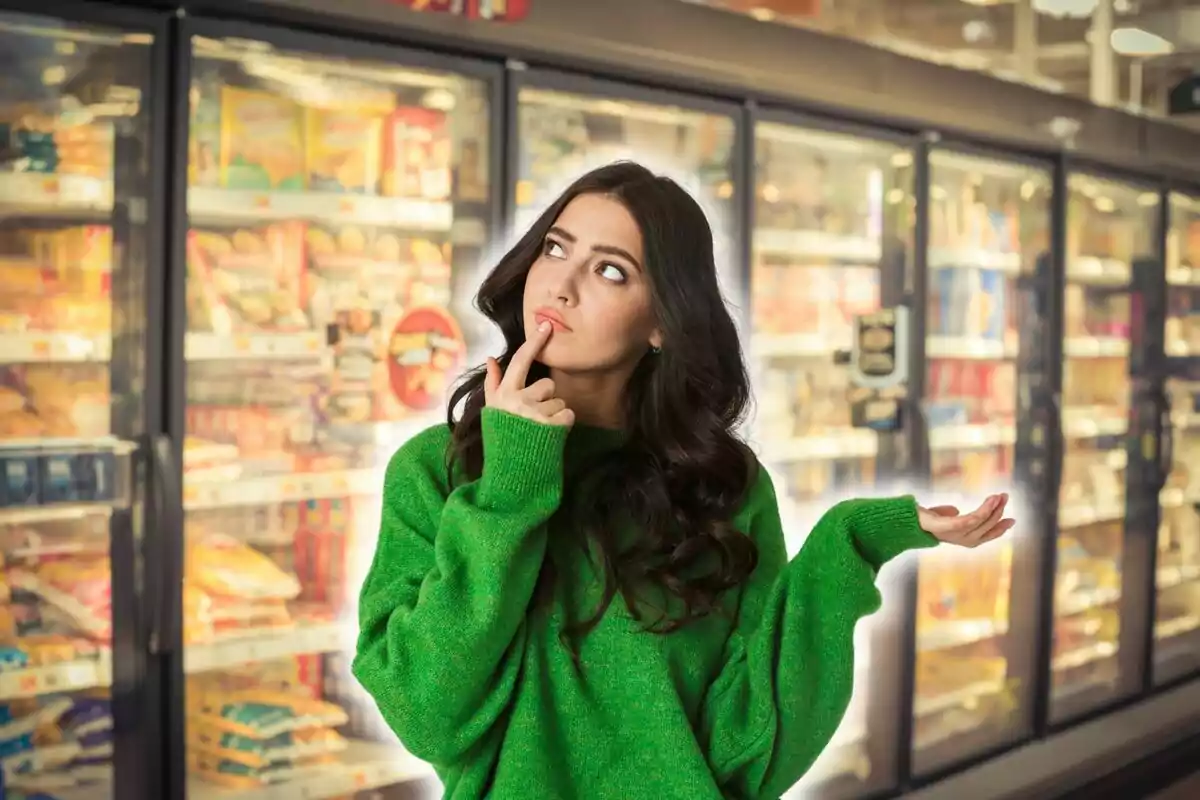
590	283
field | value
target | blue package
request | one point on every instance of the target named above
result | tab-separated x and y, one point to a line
58	485
992	286
19	480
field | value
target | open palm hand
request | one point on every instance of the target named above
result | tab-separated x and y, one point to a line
982	525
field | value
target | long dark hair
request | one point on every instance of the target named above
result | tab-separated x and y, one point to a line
682	473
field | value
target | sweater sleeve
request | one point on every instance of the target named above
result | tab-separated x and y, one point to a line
442	609
788	672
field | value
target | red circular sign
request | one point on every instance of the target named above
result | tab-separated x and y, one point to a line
425	351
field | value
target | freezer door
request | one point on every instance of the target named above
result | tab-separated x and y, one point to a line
1177	617
831	241
339	199
75	399
976	615
1098	648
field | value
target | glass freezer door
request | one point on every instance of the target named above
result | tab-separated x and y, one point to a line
330	201
989	224
832	224
1177	626
564	132
1110	233
74	133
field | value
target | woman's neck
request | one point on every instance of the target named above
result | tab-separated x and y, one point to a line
596	398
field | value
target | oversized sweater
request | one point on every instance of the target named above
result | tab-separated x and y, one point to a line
471	673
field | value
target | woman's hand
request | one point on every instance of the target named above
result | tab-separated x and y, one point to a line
508	392
982	525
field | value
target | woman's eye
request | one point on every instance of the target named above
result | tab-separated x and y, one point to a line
553	249
612	273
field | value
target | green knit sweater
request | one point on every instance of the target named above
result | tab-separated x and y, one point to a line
474	678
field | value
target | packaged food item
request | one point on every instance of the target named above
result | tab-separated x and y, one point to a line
262	141
204	131
256	713
258	754
343	148
79	590
223	566
249	280
417	154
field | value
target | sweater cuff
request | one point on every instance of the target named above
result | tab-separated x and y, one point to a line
886	527
521	457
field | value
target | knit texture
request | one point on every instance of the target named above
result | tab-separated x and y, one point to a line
476	680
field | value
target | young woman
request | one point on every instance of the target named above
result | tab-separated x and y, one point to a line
580	588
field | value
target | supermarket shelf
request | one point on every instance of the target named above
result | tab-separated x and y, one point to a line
238	207
1077	516
1073	659
974	258
1083	423
817	244
51	195
1183	276
281	489
42	347
850	443
31	515
959	437
1170	577
966	696
955	633
791	345
1079	602
1176	627
62	444
262	646
71	676
218	347
1096	347
1099	271
967	347
361	767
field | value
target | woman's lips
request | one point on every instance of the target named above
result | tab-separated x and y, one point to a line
559	325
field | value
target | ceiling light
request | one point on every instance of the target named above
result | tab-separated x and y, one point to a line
1139	42
1066	8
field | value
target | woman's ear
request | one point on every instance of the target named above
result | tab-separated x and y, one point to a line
656	339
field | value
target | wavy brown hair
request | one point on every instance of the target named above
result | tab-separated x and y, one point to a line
682	473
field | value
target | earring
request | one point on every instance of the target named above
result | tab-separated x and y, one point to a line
655	350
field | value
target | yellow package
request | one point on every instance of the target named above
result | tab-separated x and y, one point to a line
223	566
258	713
262	141
344	150
258	754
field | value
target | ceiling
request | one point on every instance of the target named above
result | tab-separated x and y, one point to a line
979	34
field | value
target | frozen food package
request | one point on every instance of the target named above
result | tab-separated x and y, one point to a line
256	713
78	589
258	754
417	154
262	141
223	566
343	148
247	279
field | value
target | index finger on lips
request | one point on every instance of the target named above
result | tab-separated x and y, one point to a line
522	360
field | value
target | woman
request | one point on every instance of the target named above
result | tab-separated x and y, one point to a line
580	588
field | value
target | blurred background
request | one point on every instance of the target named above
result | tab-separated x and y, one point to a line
238	248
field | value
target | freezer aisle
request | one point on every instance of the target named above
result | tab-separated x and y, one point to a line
1177	627
831	224
330	200
73	122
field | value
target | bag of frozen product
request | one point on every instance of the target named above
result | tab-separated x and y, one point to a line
238	776
259	753
78	589
223	566
21	721
259	714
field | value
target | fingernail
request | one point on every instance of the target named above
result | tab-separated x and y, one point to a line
545	326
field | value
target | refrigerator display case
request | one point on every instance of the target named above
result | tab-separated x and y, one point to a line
325	195
989	234
74	122
1177	618
1110	235
832	226
566	126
